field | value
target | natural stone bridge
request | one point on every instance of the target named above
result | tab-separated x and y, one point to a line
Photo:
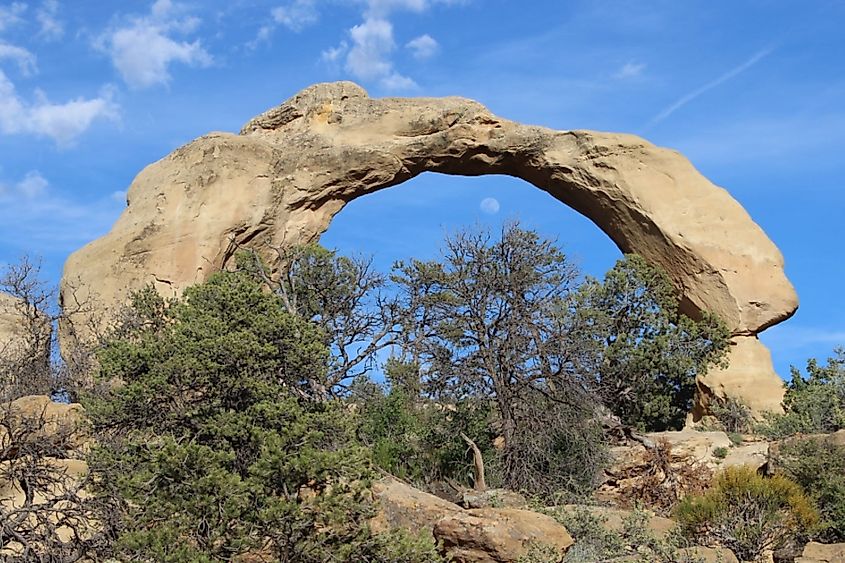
291	169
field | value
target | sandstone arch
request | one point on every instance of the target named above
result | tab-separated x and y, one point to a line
291	169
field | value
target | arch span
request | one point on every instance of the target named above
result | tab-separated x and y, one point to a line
292	168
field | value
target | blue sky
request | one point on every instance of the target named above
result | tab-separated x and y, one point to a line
753	92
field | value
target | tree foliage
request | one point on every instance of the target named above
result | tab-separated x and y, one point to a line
489	322
651	353
813	403
215	442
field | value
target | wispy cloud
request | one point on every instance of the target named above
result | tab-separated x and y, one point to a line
684	100
24	59
10	15
47	16
630	70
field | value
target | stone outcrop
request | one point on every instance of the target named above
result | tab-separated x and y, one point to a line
498	535
291	169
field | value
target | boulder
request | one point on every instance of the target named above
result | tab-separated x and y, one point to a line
497	535
401	506
755	454
291	169
822	553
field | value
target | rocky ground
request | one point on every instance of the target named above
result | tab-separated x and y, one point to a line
497	526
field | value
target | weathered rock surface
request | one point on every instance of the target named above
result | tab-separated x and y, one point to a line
822	553
497	535
294	167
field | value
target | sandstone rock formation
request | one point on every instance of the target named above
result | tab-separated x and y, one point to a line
294	167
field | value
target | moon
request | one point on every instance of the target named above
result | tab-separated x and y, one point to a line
490	205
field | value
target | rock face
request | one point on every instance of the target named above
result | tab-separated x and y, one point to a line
294	167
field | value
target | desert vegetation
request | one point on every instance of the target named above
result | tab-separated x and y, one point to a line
248	419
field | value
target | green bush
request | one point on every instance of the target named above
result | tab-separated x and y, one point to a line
818	465
813	404
212	441
720	453
747	513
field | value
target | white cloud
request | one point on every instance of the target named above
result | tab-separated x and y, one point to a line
372	43
51	27
62	122
296	15
684	100
144	50
11	15
368	54
381	8
630	70
24	59
423	47
490	205
368	59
